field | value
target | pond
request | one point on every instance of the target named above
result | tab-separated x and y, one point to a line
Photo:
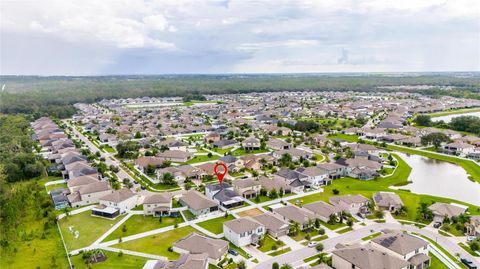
440	178
448	118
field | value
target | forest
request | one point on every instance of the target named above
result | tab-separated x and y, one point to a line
55	96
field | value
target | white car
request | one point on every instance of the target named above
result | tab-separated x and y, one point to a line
312	244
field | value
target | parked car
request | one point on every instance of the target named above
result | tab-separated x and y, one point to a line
468	263
312	244
233	252
437	225
471	238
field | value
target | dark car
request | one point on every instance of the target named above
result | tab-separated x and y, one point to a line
468	263
233	252
143	188
437	225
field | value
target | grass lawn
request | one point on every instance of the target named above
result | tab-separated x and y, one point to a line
344	230
90	229
368	188
261	199
113	261
280	252
370	237
202	158
320	238
348	138
215	225
269	243
158	244
435	263
333	226
188	215
301	235
109	149
468	249
139	224
56	186
221	151
453	258
451	228
241	152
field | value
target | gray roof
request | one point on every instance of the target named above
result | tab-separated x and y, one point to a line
271	222
164	197
449	210
242	225
197	201
290	174
387	199
196	244
228	159
401	243
322	209
295	213
118	196
369	257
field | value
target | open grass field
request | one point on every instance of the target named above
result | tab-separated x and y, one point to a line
368	188
90	229
215	225
113	261
202	158
139	224
241	152
453	112
221	151
349	138
158	244
435	263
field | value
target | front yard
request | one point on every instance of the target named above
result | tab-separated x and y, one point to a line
89	229
113	261
270	244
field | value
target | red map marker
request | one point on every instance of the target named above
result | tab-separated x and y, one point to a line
220	174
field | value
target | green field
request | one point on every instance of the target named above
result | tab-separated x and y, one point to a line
139	224
435	263
241	152
113	261
453	112
90	229
215	225
348	138
201	158
280	252
158	244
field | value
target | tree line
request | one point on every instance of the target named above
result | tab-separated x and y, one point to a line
55	96
470	124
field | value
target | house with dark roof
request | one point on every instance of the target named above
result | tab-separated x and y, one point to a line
224	194
224	144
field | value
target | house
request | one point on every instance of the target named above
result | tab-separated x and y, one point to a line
473	226
234	164
351	203
292	213
296	154
195	243
178	145
334	170
251	143
143	162
60	198
323	211
316	177
294	179
276	184
458	148
198	203
224	144
387	201
247	188
177	156
274	226
278	144
365	257
442	210
405	246
186	261
244	231
158	204
211	137
360	168
224	194
89	193
115	203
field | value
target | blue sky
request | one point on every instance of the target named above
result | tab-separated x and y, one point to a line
91	37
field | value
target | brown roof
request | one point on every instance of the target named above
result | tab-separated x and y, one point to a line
118	196
242	225
157	198
401	243
196	243
197	201
369	257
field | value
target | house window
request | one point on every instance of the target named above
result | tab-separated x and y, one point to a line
353	266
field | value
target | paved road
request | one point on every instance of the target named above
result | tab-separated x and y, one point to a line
296	257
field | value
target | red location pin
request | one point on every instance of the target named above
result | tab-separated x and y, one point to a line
220	174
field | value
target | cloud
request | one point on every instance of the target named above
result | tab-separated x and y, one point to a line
239	36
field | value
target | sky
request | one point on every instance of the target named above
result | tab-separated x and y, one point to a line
102	37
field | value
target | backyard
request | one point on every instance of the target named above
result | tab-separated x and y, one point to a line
215	225
139	224
89	229
158	244
114	260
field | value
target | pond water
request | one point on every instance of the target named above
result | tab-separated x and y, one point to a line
440	178
449	118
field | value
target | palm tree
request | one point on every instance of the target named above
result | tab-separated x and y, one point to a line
286	266
294	228
424	211
322	257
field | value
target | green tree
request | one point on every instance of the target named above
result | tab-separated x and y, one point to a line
423	120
